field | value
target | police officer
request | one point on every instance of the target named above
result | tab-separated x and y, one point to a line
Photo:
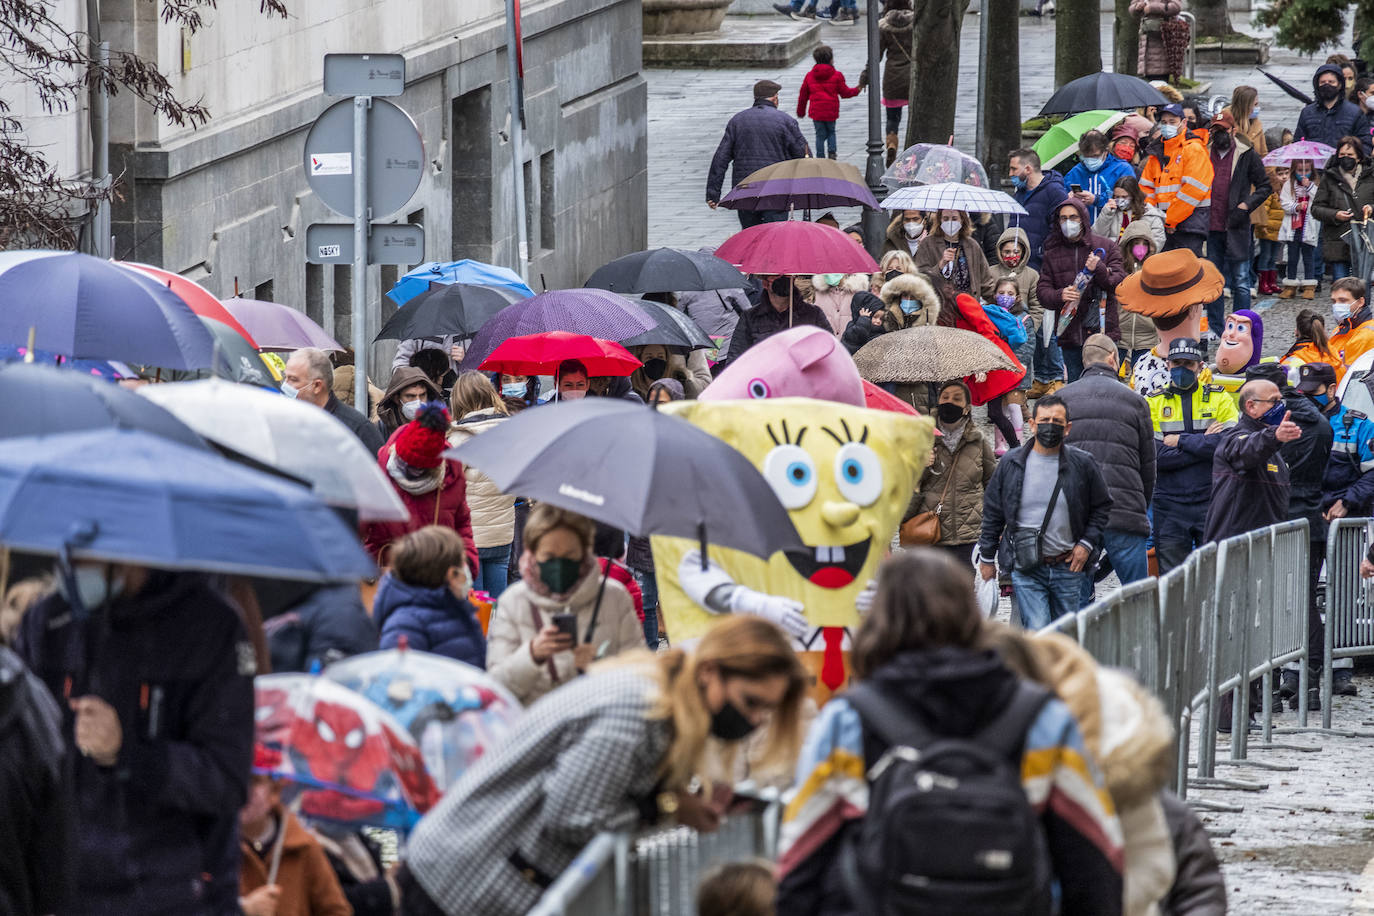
1187	416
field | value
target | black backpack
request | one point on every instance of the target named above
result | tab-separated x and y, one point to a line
949	830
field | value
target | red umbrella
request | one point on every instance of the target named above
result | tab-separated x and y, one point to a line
797	248
200	299
540	354
878	399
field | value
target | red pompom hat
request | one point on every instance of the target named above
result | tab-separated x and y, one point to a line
422	441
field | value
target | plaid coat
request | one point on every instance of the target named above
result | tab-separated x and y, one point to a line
583	759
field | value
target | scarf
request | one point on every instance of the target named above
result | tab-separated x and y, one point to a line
396	468
529	574
957	272
1301	197
953	435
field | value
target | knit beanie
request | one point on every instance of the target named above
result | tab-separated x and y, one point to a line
422	441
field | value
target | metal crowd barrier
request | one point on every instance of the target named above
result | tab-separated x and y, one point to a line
656	873
1349	600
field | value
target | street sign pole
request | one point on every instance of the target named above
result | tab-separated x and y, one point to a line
517	130
361	217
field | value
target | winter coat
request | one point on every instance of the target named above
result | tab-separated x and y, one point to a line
759	136
932	248
1307	459
1062	262
307	881
1108	223
1028	299
1177	178
1289	197
37	869
1335	194
585	760
1270	223
1040	203
446	505
1137	331
834	301
864	306
1353	337
521	613
1151	57
326	625
954	692
986	386
389	416
622	574
676	369
492	512
1328	124
1199	887
1082	487
895	238
1249	481
357	863
156	833
894	48
1100	183
1249	186
357	423
431	619
716	311
763	321
954	484
1253	133
823	88
1112	423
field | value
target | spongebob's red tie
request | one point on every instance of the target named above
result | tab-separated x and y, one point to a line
832	662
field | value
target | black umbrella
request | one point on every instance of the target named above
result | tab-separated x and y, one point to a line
1097	91
42	401
674	329
456	309
666	270
634	468
1287	87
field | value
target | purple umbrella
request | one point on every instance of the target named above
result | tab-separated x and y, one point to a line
594	312
1302	149
801	184
279	327
85	308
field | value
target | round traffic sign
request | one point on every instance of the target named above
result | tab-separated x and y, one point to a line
395	158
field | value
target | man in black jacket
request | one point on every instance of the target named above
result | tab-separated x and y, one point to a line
781	307
1237	172
1048	505
1250	484
1112	423
309	377
759	136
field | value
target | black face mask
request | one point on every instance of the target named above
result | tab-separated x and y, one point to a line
560	574
781	286
1347	163
654	368
1049	435
1221	141
949	413
730	724
1327	92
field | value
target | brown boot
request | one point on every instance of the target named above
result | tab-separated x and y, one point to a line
891	148
1038	389
1309	290
1289	290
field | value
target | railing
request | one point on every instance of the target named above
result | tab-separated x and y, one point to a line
1349	600
1190	56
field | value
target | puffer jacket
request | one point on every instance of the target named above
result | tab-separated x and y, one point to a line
1108	224
447	506
1026	277
986	386
1040	205
1327	125
759	136
1270	218
1063	259
932	248
954	484
834	300
1335	194
823	88
493	512
1100	183
324	625
906	286
1137	331
521	613
1112	423
431	619
1199	888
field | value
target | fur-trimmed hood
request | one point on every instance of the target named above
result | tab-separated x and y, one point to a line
911	286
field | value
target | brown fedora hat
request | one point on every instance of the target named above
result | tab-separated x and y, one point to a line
1170	283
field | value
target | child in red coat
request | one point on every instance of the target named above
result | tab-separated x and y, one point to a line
824	86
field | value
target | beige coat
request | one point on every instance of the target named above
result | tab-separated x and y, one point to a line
493	512
980	278
519	615
971	464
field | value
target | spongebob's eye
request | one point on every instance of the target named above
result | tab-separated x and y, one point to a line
858	474
791	471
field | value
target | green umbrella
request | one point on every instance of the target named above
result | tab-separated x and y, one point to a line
1061	141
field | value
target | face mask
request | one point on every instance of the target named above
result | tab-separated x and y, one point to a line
1327	93
1070	228
1346	163
1255	113
410	409
1274	415
1093	163
1139	251
951	227
1049	435
1018	182
913	228
730	724
1369	101
1168	131
1122	203
513	389
1182	378
1124	152
559	574
654	368
780	286
1006	300
1341	310
1303	177
1011	260
571	395
290	390
949	413
93	589
1321	399
1221	141
910	306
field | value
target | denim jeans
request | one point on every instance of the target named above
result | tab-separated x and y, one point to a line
1298	252
1049	362
1237	274
1268	254
492	574
648	585
1340	270
1073	362
825	133
1126	551
892	119
1193	241
1046	593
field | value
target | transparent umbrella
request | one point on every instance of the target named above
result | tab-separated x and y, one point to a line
935	163
1361	247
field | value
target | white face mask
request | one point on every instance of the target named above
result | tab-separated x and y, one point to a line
410	409
913	228
1369	101
93	587
1070	229
571	395
1341	310
291	391
951	227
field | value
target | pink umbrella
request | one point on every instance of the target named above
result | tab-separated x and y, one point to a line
279	327
1302	149
795	248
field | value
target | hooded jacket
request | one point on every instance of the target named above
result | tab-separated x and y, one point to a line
1250	186
1177	179
895	239
823	88
970	316
1328	124
1290	195
1334	194
861	329
1307	459
1025	276
932	248
834	301
756	137
447	505
1101	183
1249	481
1040	202
1063	259
327	624
431	619
953	485
1112	423
1353	337
1199	888
1108	223
389	416
1137	331
492	512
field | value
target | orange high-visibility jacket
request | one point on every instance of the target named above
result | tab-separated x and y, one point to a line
1183	184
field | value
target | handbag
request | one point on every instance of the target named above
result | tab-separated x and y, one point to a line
923	528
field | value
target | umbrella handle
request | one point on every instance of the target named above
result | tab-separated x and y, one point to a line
701	536
280	841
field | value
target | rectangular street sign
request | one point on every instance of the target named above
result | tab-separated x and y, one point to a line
332	243
364	74
329	243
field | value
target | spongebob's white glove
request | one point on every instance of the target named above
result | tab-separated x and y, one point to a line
863	602
785	612
714	590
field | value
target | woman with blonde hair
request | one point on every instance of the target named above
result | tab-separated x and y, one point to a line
613	749
1244	110
478	407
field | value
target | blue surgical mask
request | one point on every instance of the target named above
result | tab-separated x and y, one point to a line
1168	131
1018	182
1341	310
1182	378
1093	163
289	390
1274	415
1006	300
513	389
910	306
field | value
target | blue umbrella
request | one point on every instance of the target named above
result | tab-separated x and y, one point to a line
86	308
97	368
465	271
131	497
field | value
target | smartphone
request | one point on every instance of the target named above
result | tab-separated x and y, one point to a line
1076	188
567	623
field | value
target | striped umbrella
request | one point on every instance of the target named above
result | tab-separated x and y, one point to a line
801	184
952	196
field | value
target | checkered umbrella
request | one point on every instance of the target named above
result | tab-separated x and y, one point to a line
952	196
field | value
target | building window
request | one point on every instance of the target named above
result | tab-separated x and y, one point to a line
263	291
547	201
314	293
